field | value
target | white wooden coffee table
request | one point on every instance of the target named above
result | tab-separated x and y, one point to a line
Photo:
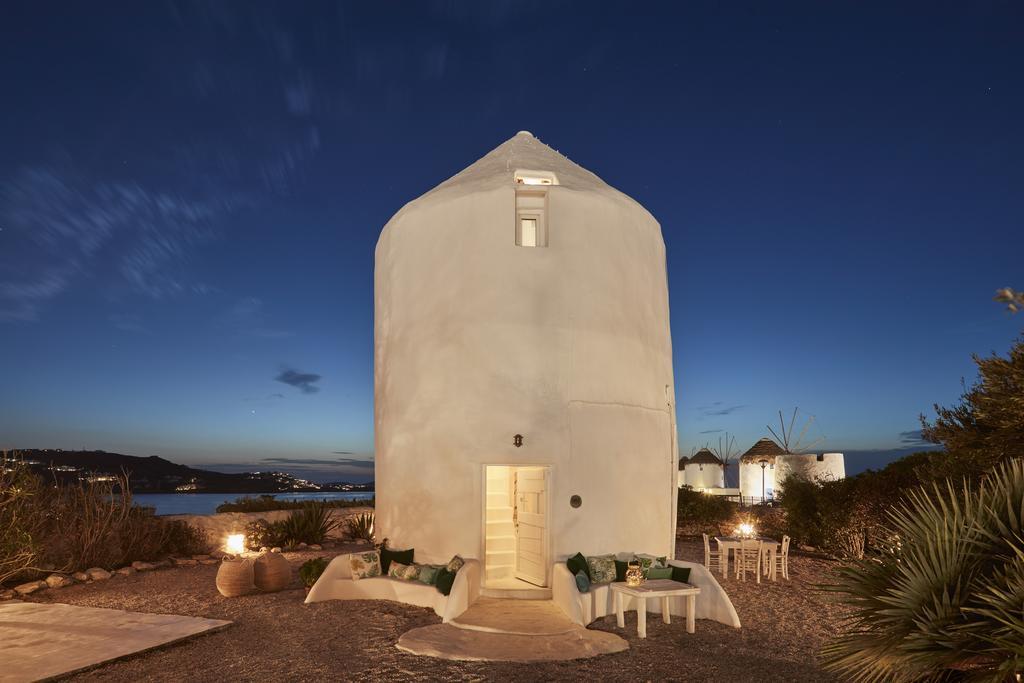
656	588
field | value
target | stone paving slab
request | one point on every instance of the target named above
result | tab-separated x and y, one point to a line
445	641
496	630
39	641
516	617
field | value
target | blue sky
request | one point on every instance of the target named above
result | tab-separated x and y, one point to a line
190	194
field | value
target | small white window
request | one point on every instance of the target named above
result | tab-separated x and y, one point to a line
527	177
531	218
527	232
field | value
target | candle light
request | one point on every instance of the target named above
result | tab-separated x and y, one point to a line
235	544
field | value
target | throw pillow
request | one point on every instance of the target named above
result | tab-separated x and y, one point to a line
648	561
397	570
620	570
364	565
659	573
445	581
578	563
455	564
412	572
602	569
387	555
582	582
428	574
681	574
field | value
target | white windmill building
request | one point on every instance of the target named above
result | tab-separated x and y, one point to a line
524	401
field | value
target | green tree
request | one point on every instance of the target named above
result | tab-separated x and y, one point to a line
987	425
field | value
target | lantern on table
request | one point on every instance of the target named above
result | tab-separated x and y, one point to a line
634	574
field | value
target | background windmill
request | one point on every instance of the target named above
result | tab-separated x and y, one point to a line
789	439
728	454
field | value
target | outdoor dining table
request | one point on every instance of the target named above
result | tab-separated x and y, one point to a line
770	548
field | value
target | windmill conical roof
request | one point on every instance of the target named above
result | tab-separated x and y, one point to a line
704	457
764	448
522	151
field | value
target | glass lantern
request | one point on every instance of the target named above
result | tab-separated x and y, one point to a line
634	574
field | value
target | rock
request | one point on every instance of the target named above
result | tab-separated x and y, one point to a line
200	557
81	577
143	566
264	549
7	594
316	546
30	587
302	545
58	580
184	562
162	564
275	550
209	560
97	574
125	571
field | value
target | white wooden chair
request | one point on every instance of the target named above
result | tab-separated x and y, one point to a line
782	559
713	556
748	559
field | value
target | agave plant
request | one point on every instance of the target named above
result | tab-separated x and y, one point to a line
946	596
360	526
309	524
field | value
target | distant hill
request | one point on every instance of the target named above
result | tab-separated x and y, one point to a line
153	474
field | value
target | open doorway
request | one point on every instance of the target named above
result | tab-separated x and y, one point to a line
516	524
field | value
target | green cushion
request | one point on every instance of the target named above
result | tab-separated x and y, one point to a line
620	571
582	582
648	561
445	581
428	574
387	555
659	573
681	574
577	563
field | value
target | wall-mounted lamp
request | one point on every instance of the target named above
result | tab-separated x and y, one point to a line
517	440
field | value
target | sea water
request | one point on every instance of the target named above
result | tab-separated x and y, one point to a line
206	503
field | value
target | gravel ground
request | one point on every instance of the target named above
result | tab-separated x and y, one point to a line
277	637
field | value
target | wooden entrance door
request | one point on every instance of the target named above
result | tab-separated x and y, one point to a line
530	516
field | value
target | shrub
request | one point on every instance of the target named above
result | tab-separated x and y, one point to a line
268	503
360	526
309	524
263	534
944	598
311	570
67	527
702	513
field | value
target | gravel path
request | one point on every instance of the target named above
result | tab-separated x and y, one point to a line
277	637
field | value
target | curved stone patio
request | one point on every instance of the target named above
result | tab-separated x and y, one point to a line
497	630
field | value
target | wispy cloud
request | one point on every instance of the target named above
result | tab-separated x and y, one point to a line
338	462
711	431
913	438
70	229
127	322
303	381
248	317
718	408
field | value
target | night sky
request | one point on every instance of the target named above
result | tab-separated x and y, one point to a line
190	195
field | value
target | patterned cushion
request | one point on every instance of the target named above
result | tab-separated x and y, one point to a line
455	564
364	565
648	561
428	573
412	572
602	569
